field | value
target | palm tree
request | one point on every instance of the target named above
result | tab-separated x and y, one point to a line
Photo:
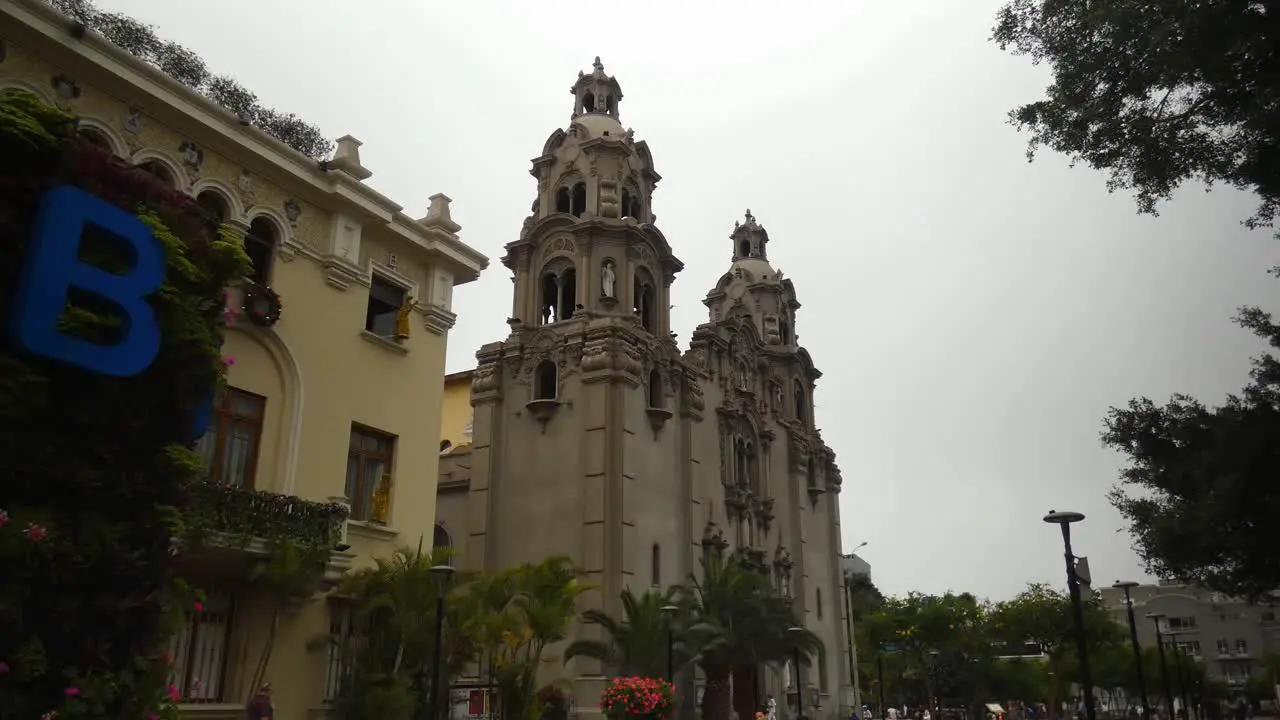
637	643
519	612
737	622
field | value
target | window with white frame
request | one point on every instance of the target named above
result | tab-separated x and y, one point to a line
199	649
1242	647
385	300
1223	648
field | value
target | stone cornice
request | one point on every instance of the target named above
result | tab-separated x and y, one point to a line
36	24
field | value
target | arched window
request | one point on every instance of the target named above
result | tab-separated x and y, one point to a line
817	601
95	138
440	539
559	295
644	302
563	204
802	406
545	381
579	199
655	389
626	203
260	245
784	330
589	102
744	248
214	206
608	104
655	565
157	169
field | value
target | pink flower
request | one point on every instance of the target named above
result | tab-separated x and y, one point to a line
4	518
168	657
152	716
228	360
174	694
197	606
35	532
71	692
4	667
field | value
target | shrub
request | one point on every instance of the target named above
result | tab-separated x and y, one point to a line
637	698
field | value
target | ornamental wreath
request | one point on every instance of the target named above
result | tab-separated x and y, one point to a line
262	305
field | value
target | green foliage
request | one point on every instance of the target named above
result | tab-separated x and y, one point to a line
732	619
1156	93
635	644
507	619
1205	499
140	40
239	515
95	467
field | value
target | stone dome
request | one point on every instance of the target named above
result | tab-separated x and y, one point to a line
599	125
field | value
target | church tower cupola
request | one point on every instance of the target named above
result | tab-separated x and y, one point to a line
596	93
749	239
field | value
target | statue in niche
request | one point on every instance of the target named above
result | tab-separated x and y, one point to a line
402	318
608	279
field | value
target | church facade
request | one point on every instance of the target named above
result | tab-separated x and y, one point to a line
594	435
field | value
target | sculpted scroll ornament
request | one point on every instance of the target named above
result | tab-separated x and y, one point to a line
485	379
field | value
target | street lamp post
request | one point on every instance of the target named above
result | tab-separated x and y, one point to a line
1137	648
933	673
1164	667
880	678
1064	521
442	574
795	659
668	614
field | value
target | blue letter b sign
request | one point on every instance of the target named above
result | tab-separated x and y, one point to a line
54	269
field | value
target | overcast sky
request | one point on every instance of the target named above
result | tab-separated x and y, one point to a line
974	315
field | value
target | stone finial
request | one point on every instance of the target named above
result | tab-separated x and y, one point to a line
347	159
438	214
597	65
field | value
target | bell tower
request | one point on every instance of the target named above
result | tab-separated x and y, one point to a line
579	413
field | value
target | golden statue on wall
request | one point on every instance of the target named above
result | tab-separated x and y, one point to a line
380	512
402	318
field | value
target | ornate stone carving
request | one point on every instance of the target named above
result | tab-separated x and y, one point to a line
609	205
485	379
800	453
557	245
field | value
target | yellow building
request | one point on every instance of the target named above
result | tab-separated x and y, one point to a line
326	404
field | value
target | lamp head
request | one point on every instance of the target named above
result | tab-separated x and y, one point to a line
1065	517
1155	616
1125	584
668	610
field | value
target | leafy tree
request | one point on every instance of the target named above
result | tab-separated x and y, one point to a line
735	621
937	637
1206	498
1156	93
1043	616
636	644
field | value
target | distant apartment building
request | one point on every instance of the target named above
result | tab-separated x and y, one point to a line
853	565
333	399
1231	637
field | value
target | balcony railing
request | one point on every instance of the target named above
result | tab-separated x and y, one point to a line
238	516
